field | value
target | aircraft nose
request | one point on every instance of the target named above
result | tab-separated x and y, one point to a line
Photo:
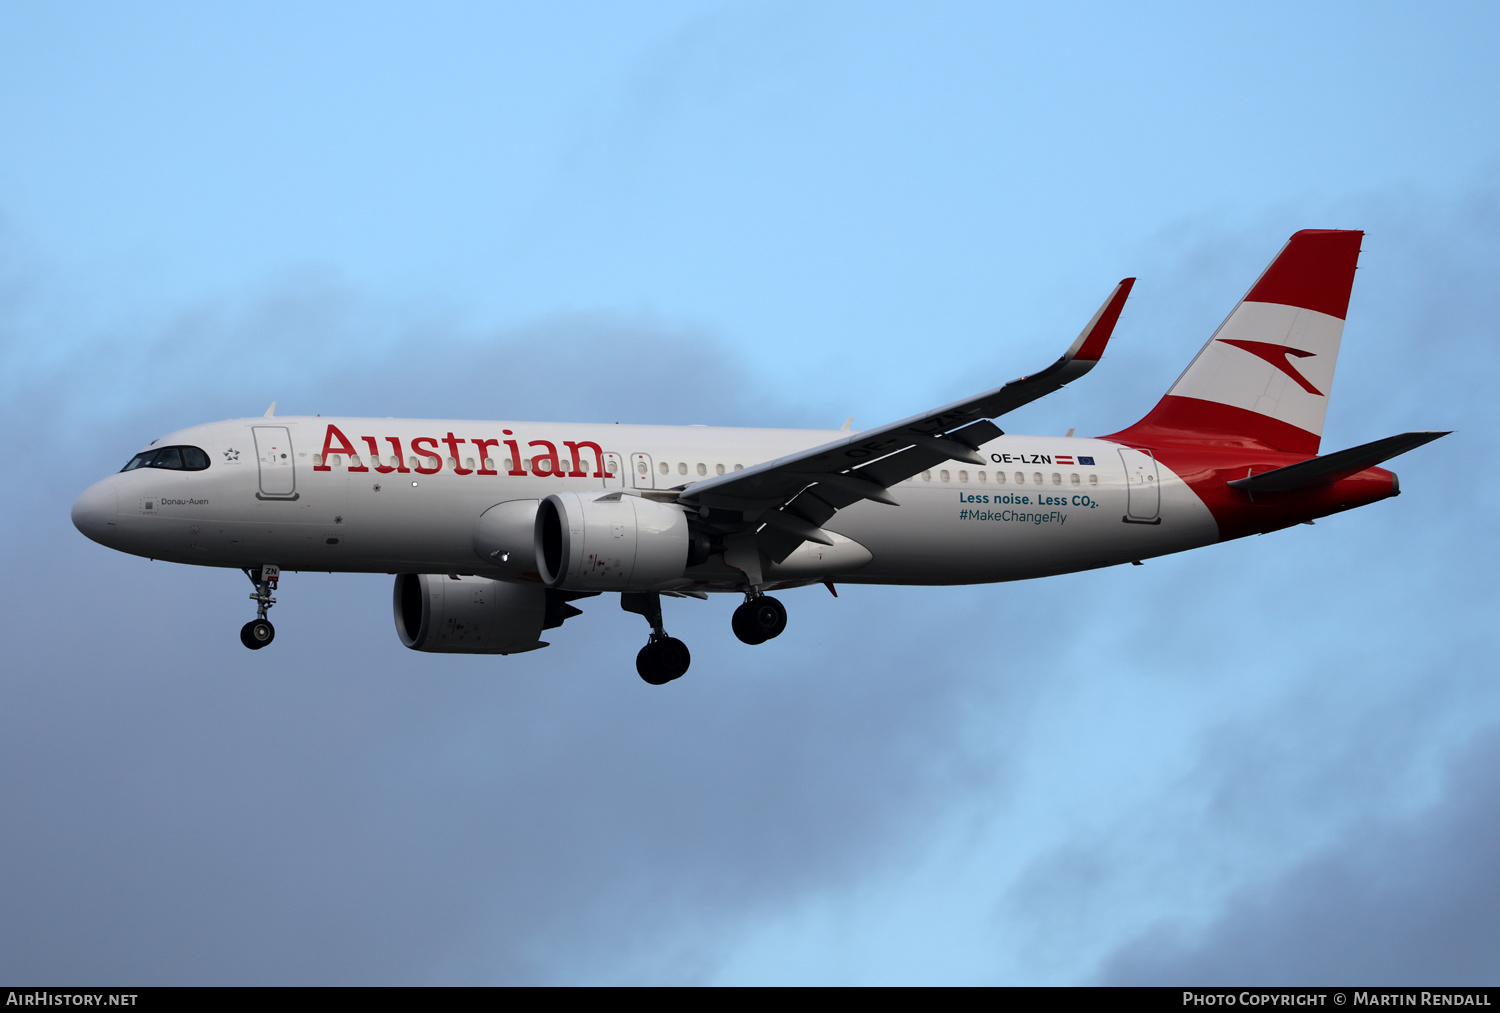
95	512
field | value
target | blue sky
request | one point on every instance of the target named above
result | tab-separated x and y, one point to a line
1271	760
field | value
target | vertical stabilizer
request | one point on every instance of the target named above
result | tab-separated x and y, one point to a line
1264	377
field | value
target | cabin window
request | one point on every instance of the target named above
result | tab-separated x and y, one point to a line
927	476
739	467
963	476
999	478
664	468
981	476
489	464
452	464
1020	478
702	468
1056	478
509	465
336	460
411	462
1093	480
682	467
469	463
1037	478
943	474
1073	478
718	469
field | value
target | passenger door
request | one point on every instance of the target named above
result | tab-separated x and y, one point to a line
1143	496
273	451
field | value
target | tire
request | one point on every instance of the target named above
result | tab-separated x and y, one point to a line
768	616
674	657
257	633
743	624
661	661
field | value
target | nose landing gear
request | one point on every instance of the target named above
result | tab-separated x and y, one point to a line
259	632
663	658
759	619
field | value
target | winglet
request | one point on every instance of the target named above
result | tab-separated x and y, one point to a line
1090	344
270	412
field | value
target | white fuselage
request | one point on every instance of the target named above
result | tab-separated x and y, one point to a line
287	491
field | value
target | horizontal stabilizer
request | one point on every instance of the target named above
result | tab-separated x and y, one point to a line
1332	467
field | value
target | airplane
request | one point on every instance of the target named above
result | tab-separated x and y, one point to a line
495	529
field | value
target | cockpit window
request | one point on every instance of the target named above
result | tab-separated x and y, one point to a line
174	458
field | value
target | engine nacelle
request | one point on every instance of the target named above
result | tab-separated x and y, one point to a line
468	615
611	542
505	537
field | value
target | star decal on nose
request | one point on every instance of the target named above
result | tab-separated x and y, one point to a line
1276	355
231	454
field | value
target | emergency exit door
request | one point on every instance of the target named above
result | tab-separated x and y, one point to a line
614	471
640	471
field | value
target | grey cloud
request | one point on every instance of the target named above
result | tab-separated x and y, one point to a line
1415	902
180	810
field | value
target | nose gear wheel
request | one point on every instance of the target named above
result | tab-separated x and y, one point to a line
257	633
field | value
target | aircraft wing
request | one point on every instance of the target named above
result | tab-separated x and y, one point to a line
793	496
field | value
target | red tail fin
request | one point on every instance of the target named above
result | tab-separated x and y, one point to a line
1264	377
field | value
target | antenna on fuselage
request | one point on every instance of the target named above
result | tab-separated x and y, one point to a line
271	411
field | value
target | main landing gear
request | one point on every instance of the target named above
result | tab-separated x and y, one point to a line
259	632
663	658
759	619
